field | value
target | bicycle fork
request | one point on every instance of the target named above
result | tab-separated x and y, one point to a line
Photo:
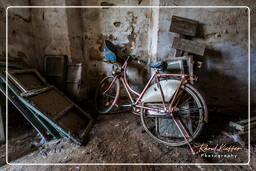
178	123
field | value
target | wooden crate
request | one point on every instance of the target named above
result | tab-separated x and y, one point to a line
188	46
27	80
183	26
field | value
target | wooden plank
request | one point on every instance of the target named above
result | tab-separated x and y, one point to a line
245	121
35	92
54	107
183	26
27	79
2	136
188	46
36	121
241	137
62	113
235	125
178	52
242	126
12	65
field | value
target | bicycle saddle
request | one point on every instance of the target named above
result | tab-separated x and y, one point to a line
159	65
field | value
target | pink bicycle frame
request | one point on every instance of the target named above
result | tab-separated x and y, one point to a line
156	77
183	78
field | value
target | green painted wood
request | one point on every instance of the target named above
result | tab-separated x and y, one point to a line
39	124
51	105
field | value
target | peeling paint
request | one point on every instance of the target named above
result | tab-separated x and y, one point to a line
132	36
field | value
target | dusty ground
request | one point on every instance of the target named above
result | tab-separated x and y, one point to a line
120	138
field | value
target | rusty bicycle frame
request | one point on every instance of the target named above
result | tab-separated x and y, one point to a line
174	101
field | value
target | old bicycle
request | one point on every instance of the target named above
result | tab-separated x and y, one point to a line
172	111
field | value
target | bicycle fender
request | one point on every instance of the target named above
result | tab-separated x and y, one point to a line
153	93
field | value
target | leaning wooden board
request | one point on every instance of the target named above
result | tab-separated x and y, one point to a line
39	124
51	104
46	130
26	113
188	46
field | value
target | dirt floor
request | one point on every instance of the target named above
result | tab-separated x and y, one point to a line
117	138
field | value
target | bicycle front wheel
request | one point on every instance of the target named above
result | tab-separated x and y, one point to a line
191	111
107	94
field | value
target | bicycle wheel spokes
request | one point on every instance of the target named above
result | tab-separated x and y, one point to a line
106	95
163	129
188	113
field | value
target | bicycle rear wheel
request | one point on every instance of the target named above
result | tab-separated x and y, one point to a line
191	111
107	94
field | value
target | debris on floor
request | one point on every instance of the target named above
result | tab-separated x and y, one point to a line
127	144
239	131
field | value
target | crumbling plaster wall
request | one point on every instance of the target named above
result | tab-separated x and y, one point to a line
50	28
125	27
79	34
58	31
20	35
